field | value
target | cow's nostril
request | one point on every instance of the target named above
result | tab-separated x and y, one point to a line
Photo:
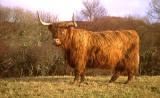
57	40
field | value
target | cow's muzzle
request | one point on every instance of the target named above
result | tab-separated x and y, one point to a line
57	42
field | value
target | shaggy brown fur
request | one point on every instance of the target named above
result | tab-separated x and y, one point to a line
117	50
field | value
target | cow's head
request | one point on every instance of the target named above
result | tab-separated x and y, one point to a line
59	29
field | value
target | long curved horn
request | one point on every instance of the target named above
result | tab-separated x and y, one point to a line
75	24
43	23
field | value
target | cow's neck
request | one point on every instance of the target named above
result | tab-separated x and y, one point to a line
68	38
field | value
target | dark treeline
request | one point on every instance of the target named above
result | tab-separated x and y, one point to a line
26	46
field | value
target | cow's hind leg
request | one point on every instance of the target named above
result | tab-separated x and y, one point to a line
115	76
130	76
82	76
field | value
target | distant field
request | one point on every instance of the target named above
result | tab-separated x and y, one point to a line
93	87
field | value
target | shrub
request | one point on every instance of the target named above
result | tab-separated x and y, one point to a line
32	61
150	61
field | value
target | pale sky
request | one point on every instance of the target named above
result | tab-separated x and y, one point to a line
65	8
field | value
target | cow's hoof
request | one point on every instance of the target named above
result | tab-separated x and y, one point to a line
110	81
127	82
81	81
75	82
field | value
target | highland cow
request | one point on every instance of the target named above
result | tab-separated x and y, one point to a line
115	50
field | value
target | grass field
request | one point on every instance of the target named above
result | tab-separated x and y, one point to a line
93	87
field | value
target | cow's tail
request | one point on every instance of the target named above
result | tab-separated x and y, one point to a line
137	70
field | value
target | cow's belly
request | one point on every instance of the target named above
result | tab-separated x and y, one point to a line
100	63
102	60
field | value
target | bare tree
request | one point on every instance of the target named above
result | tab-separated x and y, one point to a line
93	9
154	11
16	15
78	16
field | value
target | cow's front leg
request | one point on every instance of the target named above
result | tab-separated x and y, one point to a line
79	73
79	64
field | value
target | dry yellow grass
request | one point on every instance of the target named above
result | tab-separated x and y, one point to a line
93	87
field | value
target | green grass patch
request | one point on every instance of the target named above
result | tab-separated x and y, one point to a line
93	87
